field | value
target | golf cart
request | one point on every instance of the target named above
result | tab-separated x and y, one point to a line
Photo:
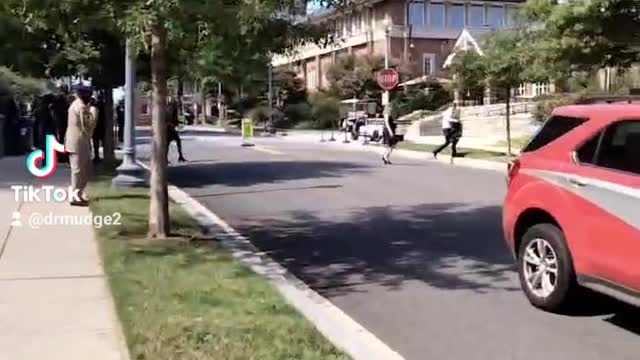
360	118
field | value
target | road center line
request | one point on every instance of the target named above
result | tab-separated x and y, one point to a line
266	150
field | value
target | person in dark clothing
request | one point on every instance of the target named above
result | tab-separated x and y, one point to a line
389	138
9	109
172	133
60	113
120	120
99	132
44	120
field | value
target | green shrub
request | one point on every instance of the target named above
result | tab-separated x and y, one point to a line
325	110
546	103
258	114
406	102
296	113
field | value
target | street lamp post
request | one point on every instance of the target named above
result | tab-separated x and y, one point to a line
267	127
130	173
387	34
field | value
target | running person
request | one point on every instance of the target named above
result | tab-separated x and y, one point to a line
172	133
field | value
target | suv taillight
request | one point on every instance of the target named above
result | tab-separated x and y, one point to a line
512	169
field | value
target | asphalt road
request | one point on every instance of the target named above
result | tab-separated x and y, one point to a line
412	251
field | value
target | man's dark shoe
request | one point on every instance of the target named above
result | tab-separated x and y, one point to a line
435	154
182	159
82	203
97	160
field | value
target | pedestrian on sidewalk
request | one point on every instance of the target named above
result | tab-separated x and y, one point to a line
82	121
99	131
389	138
172	132
60	113
120	121
451	129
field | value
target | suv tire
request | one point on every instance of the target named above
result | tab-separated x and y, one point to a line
556	258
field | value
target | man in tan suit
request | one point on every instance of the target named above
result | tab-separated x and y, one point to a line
82	120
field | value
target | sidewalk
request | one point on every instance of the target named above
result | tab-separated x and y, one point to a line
54	299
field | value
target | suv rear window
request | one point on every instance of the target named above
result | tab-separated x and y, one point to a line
552	129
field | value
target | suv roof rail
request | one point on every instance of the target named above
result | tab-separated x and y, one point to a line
607	99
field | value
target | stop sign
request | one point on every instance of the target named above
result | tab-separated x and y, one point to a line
388	79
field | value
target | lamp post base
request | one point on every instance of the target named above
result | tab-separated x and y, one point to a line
130	174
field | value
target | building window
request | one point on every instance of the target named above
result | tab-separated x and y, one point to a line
417	14
476	15
145	109
496	16
541	89
511	18
436	15
456	16
357	22
428	64
312	79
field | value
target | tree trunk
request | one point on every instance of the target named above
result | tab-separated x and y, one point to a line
109	141
180	94
203	103
508	124
159	204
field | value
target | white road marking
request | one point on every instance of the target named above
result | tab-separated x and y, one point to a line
266	150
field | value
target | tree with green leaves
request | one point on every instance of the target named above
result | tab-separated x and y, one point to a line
582	35
468	73
352	76
507	63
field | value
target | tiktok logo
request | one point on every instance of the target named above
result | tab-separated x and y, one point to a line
50	159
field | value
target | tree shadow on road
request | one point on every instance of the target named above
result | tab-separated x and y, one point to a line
448	246
240	174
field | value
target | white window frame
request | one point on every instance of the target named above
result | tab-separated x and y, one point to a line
432	63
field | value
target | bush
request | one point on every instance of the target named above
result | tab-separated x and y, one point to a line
546	103
419	99
325	110
296	113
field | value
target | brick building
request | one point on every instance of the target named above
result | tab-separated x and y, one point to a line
419	34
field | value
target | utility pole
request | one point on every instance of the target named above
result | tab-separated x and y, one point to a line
270	99
387	34
130	173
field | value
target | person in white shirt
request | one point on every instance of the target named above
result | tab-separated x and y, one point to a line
452	130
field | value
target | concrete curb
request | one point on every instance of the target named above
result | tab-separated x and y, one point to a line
344	332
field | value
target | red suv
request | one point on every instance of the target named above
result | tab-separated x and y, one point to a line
572	212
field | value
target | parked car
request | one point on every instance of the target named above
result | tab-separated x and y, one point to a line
359	119
572	212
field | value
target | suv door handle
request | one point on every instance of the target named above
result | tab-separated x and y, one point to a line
577	181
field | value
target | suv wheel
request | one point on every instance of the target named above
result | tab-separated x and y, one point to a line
546	268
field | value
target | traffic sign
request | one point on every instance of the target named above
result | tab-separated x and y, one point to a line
388	79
